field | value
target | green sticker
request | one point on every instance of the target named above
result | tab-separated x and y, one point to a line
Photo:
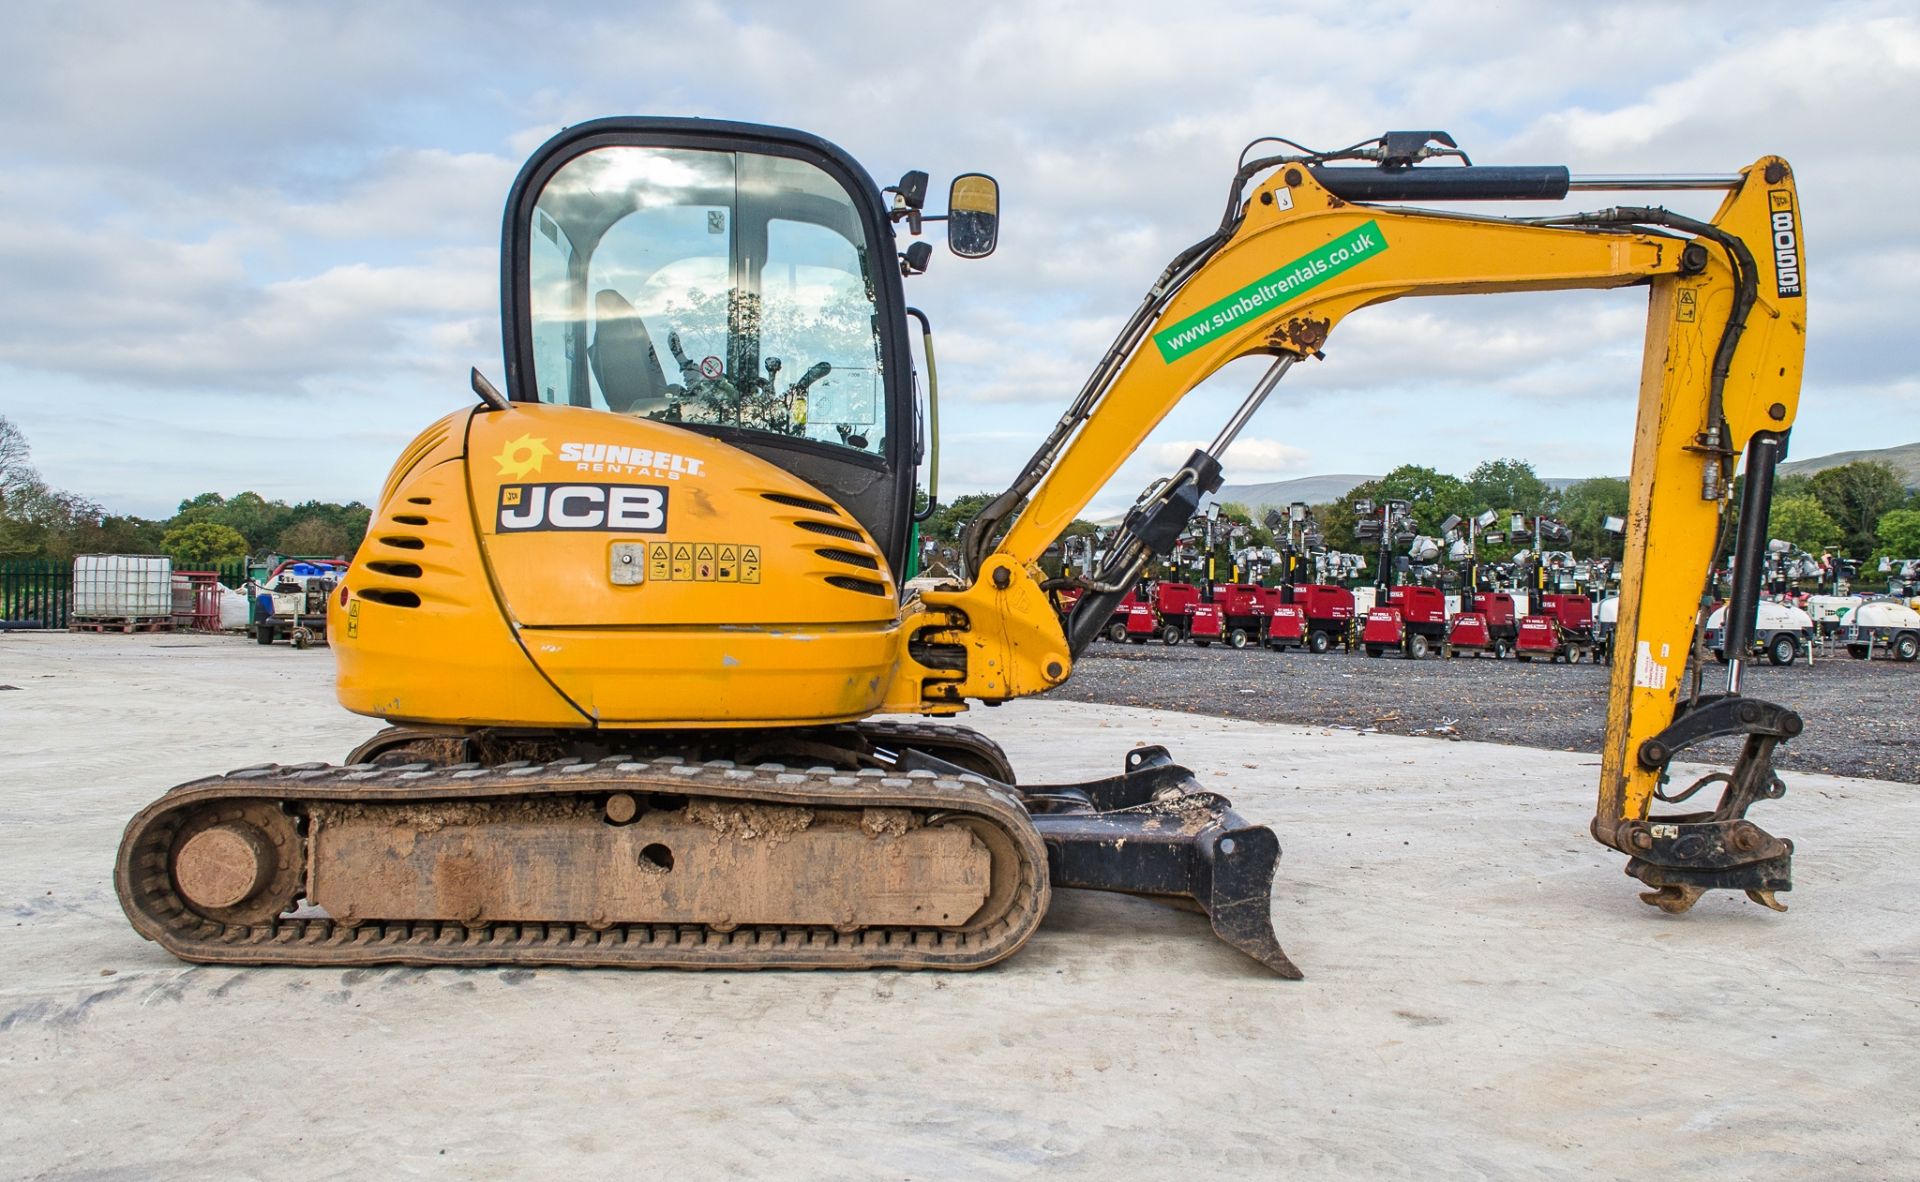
1271	291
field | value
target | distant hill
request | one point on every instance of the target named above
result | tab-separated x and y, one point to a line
1314	490
1318	490
1904	459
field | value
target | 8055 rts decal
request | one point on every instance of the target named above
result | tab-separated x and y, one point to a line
1786	242
609	508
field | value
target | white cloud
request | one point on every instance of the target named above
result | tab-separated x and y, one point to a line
1248	460
217	202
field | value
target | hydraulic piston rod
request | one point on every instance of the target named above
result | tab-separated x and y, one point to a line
1255	397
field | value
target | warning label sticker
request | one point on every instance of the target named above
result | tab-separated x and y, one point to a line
703	562
1647	672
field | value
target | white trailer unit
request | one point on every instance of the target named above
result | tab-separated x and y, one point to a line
1832	613
1606	618
1885	626
1780	630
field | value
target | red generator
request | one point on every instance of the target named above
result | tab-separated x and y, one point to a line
1207	624
1142	624
1467	632
1502	614
1286	627
1117	628
1328	611
1385	628
1173	605
1574	613
1423	611
1244	610
1562	630
1064	601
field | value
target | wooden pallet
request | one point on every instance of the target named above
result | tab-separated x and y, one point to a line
122	624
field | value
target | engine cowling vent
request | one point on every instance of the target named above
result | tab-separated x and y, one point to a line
389	596
402	542
851	558
831	531
807	503
863	586
398	570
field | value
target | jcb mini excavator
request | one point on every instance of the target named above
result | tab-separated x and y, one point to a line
632	619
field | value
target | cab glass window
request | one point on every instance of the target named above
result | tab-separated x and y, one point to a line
707	288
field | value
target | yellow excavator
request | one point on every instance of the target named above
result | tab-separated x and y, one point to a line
633	619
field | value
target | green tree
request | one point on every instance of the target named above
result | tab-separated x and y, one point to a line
1239	514
17	477
1854	496
119	535
1510	484
256	519
314	537
1335	519
1434	496
950	520
203	545
1803	521
1585	506
1787	486
352	518
15	455
44	522
205	507
1899	533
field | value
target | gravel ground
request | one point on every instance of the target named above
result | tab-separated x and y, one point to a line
1485	998
1860	715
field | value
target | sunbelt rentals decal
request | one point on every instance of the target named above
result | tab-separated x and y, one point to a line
1270	291
527	456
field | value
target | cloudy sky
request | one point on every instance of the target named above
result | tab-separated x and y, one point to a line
250	245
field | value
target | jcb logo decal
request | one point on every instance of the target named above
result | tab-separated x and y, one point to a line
608	508
1786	242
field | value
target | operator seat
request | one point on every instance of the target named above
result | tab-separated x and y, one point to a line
623	358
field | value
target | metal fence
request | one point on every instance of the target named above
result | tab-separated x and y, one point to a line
39	591
36	591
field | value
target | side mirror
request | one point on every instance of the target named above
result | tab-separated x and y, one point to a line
973	215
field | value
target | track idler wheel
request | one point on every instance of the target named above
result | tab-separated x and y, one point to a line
238	863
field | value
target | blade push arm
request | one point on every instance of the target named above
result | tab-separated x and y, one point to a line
1725	339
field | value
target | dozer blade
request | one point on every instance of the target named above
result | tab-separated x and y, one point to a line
1153	831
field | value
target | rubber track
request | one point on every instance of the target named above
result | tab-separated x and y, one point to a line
156	910
935	738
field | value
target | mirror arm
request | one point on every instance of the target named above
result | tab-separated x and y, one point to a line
933	416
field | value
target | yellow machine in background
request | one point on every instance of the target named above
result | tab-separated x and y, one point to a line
631	620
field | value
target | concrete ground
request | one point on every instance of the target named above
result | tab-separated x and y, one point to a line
1484	996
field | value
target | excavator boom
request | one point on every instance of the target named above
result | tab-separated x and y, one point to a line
1308	246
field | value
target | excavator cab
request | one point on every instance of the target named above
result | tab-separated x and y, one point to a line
737	281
